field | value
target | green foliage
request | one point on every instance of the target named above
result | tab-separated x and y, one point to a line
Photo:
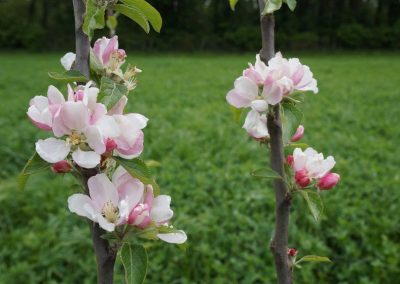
141	12
266	173
134	260
206	160
94	18
271	6
111	92
34	165
233	3
314	203
69	76
313	258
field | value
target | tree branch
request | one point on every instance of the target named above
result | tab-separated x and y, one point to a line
105	255
282	198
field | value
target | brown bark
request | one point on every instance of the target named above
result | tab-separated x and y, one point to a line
279	244
105	255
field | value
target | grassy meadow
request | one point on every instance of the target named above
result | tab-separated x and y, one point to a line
206	162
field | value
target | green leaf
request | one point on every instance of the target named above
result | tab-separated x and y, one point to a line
34	165
313	258
137	168
314	203
68	76
134	260
94	18
233	3
150	13
112	22
299	145
271	6
111	92
266	173
135	14
291	4
291	119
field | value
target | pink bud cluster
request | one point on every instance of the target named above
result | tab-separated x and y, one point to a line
262	85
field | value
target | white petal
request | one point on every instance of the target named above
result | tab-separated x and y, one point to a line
102	190
67	60
82	205
178	237
108	126
161	211
75	115
55	96
95	139
103	223
86	159
52	150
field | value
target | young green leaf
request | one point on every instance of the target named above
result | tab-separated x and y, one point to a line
314	203
237	113
233	3
135	14
313	258
135	261
150	13
271	6
291	4
34	165
68	76
266	173
291	119
112	22
111	92
94	18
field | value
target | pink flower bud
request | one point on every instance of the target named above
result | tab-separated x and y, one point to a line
110	145
289	160
79	95
292	252
61	167
299	134
301	178
328	181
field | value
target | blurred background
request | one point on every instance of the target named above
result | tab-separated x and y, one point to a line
206	158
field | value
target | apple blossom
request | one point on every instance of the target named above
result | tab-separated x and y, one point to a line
256	125
310	164
148	209
328	181
298	135
68	60
107	52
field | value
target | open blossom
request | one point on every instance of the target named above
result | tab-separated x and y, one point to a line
84	127
107	52
125	200
272	82
309	165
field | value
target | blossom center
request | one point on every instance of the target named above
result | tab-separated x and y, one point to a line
110	212
75	138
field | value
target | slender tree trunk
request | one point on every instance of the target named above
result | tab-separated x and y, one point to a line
279	244
105	255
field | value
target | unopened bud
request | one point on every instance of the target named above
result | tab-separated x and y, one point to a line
301	178
292	252
110	145
290	160
328	181
299	134
61	167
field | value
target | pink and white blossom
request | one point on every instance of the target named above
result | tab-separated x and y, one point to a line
256	125
108	54
244	92
310	164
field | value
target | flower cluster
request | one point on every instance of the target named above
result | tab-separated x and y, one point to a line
262	85
87	133
309	165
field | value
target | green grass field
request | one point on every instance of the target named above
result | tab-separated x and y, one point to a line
206	163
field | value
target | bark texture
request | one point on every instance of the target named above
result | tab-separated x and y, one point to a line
279	243
105	255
